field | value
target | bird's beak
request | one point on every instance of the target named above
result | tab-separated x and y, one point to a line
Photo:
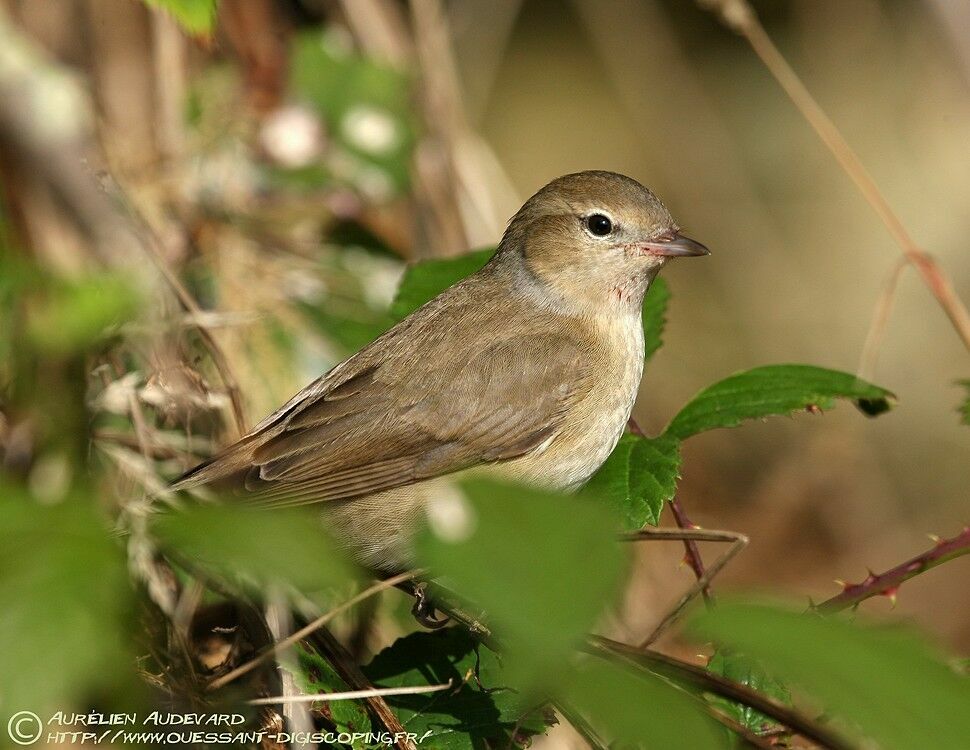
676	246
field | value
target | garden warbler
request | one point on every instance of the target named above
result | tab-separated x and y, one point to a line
528	368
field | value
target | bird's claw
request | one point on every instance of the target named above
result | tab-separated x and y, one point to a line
424	610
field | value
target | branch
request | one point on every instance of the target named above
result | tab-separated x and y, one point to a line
741	17
886	584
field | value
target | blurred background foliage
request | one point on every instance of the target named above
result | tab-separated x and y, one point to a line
204	208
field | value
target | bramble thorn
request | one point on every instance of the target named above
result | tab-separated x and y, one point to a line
890	594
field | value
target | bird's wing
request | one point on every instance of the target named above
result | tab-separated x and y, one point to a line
389	421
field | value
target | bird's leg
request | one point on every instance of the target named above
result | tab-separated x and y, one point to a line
737	541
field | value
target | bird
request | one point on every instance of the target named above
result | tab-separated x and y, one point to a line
526	370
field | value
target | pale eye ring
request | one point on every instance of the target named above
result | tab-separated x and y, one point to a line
599	225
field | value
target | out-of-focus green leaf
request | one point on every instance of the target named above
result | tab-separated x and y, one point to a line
654	316
351	333
316	676
543	566
888	683
640	710
69	315
747	671
638	478
771	390
367	106
427	279
480	712
64	603
195	16
965	407
267	545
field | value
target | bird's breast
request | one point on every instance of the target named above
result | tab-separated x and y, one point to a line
596	421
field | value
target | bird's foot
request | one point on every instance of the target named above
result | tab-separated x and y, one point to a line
424	609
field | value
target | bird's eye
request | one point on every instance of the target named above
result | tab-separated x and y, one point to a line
599	225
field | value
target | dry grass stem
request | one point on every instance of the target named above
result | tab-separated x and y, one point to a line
880	320
349	695
308	629
740	16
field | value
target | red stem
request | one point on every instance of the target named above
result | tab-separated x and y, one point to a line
886	584
692	552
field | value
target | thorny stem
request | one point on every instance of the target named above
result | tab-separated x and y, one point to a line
741	17
692	552
887	583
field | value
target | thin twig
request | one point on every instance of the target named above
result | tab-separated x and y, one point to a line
737	540
880	319
692	552
886	584
307	630
710	682
741	17
349	695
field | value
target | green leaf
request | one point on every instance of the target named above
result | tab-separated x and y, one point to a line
640	710
427	279
350	333
638	478
68	316
543	566
774	389
267	545
654	316
965	407
480	712
315	676
888	683
64	603
367	106
195	16
747	671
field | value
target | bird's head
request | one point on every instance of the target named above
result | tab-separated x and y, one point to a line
595	238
